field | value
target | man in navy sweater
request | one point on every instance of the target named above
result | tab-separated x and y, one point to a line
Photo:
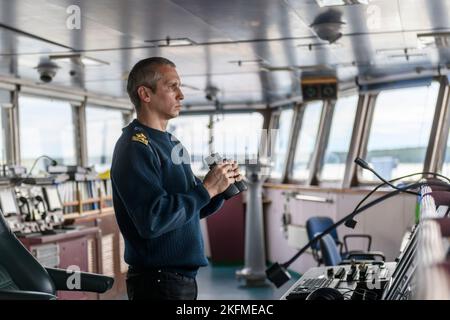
158	201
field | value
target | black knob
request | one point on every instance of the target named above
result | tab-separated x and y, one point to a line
330	273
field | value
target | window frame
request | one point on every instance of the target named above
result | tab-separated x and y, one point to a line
8	125
441	129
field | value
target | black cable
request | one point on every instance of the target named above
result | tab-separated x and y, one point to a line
352	223
354	213
54	163
277	273
363	164
335	225
447	212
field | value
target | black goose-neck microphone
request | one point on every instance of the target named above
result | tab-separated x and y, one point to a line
363	164
351	223
28	175
53	161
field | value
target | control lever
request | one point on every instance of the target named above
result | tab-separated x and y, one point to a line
352	272
340	273
363	268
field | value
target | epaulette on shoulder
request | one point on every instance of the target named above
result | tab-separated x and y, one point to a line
139	136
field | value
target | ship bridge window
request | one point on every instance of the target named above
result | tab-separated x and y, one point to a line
46	128
103	128
280	147
237	136
5	102
192	132
307	140
335	157
446	164
400	131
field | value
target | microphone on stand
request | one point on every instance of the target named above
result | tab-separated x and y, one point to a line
53	161
351	223
278	274
363	164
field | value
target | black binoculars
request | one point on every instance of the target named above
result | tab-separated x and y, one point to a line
234	188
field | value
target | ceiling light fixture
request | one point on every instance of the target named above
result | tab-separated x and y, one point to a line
407	56
47	70
332	3
267	68
169	42
319	46
393	51
240	63
78	58
328	25
434	39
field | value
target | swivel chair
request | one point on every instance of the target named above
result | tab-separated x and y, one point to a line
22	277
316	225
332	257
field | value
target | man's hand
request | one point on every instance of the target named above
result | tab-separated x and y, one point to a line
235	168
219	178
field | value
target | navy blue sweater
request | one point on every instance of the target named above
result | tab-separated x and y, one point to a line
158	203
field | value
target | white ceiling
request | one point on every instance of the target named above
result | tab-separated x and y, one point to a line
276	32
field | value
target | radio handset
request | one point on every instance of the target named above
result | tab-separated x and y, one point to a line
25	209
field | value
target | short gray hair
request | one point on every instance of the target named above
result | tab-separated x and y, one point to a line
145	73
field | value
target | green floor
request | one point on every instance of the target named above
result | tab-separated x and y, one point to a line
220	283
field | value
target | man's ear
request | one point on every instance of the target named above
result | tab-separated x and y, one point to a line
143	94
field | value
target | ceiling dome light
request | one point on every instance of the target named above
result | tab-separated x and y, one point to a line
327	26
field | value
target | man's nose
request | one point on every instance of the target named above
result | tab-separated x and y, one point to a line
180	94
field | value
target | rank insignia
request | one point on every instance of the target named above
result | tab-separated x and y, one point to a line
140	137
